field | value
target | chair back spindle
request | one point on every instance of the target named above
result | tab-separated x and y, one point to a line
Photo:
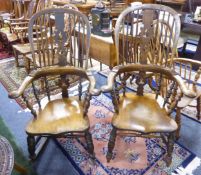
59	36
147	34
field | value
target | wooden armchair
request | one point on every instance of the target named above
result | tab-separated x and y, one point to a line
5	31
22	28
57	113
147	34
19	26
190	71
15	29
17	11
143	113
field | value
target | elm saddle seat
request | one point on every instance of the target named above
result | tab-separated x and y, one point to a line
58	116
143	114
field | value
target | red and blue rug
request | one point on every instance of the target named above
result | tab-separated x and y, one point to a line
131	155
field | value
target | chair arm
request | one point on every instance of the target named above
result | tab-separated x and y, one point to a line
19	92
183	87
187	60
16	19
92	89
110	80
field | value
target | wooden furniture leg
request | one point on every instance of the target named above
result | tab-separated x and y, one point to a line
90	145
198	108
170	147
19	168
111	144
178	120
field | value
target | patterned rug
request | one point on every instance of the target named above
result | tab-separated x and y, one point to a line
11	77
132	156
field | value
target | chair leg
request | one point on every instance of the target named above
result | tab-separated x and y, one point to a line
26	64
111	144
184	49
19	168
170	147
16	57
90	59
31	146
178	120
90	144
198	108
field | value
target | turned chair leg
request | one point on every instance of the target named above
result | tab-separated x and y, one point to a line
90	59
111	144
26	64
16	57
198	108
170	147
90	144
31	146
19	168
178	120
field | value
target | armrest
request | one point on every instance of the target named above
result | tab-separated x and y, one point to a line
110	80
19	92
16	19
187	60
92	89
183	87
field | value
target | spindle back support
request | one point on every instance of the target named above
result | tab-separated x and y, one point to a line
147	34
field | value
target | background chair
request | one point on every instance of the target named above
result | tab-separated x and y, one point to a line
7	37
147	34
184	67
24	48
143	113
57	114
